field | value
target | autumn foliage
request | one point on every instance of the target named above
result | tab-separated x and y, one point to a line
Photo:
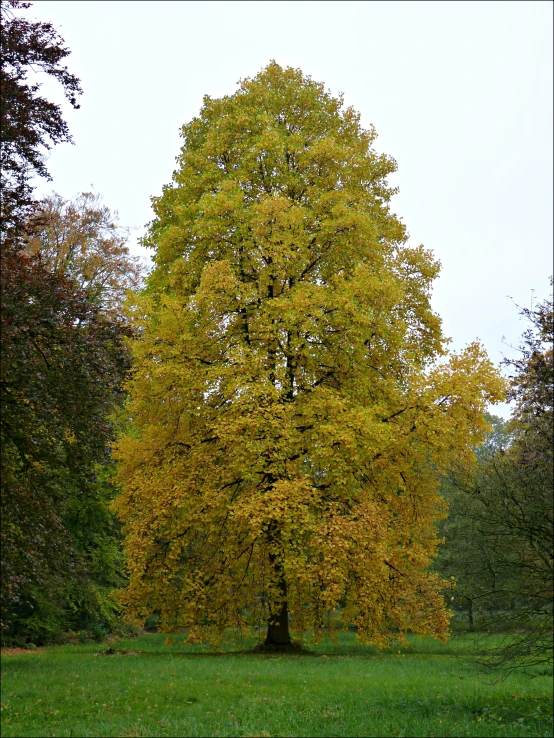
292	402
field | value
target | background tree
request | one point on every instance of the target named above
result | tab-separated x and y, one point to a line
532	387
62	365
30	123
81	239
63	359
499	534
472	552
287	412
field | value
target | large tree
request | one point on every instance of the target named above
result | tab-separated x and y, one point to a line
288	416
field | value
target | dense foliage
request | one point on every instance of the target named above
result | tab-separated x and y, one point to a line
64	270
62	365
288	417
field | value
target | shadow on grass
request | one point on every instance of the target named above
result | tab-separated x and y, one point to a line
153	644
345	645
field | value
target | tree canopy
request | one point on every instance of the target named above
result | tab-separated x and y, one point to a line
30	122
292	402
81	239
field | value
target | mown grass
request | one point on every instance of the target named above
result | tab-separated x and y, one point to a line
337	690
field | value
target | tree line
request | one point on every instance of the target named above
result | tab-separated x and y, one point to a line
268	431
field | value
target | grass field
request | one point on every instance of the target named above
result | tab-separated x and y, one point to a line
338	690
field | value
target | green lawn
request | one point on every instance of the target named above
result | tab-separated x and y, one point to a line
339	690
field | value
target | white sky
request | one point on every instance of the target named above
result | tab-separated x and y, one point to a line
460	94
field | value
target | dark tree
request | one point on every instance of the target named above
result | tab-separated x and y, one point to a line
63	360
30	123
474	554
499	535
62	365
532	386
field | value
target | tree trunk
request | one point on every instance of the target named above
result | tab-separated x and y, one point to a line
470	615
278	623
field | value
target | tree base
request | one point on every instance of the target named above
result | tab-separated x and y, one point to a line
291	647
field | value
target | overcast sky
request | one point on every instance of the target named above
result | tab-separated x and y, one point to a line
460	94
